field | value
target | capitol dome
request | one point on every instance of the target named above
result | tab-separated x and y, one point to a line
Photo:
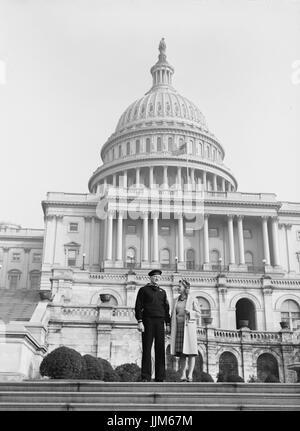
161	130
162	101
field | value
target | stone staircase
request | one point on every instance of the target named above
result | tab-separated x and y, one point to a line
114	396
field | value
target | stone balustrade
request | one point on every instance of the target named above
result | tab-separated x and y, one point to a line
125	315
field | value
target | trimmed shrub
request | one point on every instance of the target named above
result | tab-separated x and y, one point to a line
204	377
220	377
110	375
235	378
62	363
92	368
272	379
232	378
172	375
128	372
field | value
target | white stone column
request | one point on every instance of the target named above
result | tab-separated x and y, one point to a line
120	237
54	240
4	268
206	239
180	239
92	242
266	239
215	187
137	176
223	185
231	239
125	179
193	175
25	272
105	182
49	239
268	314
165	182
109	235
241	239
114	180
204	182
179	177
155	236
58	257
275	241
145	238
151	182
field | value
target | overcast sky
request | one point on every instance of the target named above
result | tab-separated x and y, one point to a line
69	68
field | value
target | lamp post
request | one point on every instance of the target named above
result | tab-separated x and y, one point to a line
83	258
220	264
264	261
176	264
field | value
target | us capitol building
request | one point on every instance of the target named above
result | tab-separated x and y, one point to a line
161	197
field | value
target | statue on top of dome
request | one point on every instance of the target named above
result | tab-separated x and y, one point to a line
162	46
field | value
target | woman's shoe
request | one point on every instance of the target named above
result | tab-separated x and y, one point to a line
183	380
189	379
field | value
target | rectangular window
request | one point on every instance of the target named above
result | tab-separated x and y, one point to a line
73	227
213	232
298	235
247	233
71	257
36	257
189	231
164	230
16	257
131	229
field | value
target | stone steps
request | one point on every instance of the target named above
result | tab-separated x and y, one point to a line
110	396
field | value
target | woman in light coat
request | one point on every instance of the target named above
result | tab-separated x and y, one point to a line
184	329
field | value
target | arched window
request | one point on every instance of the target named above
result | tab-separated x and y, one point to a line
245	314
205	309
158	144
170	144
208	151
128	148
228	365
290	312
267	366
137	146
249	259
148	145
120	151
165	257
14	276
199	146
190	259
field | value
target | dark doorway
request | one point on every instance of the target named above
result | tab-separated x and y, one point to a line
245	314
267	366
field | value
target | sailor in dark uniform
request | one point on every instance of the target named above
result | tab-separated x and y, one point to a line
152	313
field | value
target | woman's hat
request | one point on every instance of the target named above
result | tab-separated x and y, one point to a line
154	272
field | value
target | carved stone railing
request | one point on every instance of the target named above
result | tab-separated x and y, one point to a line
121	315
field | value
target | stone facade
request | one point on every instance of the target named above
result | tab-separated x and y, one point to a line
164	198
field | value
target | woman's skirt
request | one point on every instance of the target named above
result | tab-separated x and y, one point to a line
179	337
